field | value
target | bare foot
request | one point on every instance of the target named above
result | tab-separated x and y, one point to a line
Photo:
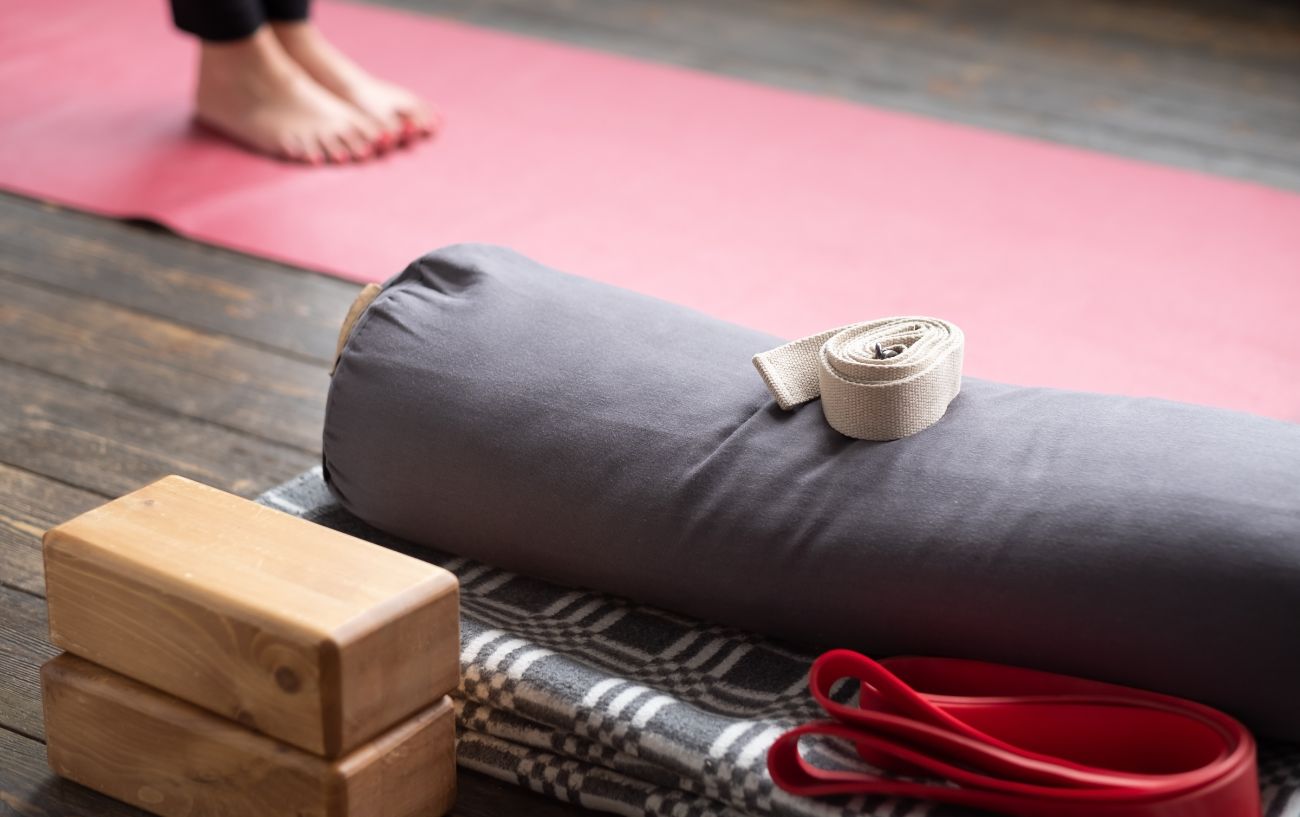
400	113
252	91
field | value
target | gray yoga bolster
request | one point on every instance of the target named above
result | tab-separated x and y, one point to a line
489	406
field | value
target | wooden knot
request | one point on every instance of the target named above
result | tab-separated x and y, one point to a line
287	679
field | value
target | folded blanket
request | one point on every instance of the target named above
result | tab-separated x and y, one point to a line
622	708
491	407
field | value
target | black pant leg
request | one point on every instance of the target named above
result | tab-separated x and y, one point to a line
218	20
285	11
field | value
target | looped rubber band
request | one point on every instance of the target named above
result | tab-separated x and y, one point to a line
1022	742
877	380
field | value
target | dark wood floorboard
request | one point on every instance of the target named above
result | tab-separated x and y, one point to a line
127	353
24	646
1210	85
153	272
213	377
111	445
29	505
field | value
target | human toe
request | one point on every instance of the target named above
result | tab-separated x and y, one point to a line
358	146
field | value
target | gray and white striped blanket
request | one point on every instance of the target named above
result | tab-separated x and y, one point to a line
631	710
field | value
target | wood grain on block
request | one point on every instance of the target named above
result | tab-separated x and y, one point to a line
154	751
307	634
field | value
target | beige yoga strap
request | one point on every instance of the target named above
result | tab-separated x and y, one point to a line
878	380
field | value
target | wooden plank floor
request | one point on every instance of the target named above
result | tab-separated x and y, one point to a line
127	353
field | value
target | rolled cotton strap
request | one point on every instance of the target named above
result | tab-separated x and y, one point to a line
878	380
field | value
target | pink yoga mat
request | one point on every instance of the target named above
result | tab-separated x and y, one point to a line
783	211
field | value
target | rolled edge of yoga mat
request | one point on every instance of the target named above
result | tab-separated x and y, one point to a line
486	405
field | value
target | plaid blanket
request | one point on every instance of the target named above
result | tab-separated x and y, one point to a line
627	709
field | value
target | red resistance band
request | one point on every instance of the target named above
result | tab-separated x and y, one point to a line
1022	742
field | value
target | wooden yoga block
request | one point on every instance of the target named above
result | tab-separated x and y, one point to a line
154	751
287	627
